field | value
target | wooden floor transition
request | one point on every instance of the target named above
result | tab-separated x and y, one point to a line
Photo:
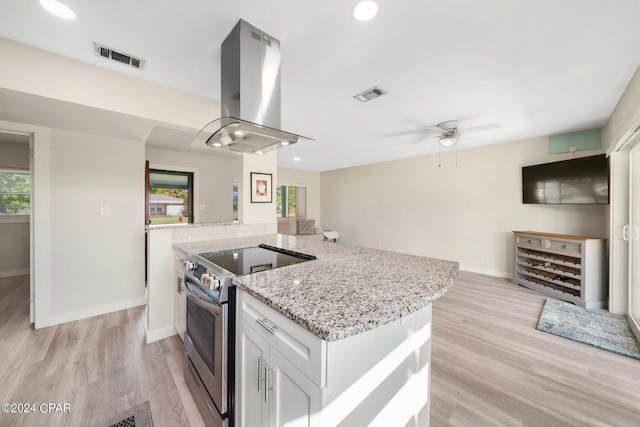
490	366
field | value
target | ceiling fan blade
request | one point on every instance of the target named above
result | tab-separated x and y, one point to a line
435	129
479	128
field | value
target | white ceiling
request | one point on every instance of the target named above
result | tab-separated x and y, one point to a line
537	68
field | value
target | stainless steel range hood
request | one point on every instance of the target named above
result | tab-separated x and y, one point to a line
250	96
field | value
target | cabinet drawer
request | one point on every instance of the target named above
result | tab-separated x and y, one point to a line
531	241
303	349
566	245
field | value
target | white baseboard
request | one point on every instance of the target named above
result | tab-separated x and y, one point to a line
487	272
12	273
159	334
89	312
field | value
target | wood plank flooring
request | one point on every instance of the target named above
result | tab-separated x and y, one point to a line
100	365
490	366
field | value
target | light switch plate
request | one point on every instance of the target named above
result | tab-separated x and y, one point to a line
104	210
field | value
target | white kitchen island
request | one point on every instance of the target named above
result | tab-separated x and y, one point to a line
344	340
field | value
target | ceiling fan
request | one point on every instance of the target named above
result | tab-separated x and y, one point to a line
448	132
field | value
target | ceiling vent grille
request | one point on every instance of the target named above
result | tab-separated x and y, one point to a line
107	52
370	94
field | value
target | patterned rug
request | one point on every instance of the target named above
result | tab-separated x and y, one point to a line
598	328
138	416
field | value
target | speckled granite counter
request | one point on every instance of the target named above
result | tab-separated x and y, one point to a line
347	290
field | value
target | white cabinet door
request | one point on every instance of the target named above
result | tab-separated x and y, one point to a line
252	360
294	397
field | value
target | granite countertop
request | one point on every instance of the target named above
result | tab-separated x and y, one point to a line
347	290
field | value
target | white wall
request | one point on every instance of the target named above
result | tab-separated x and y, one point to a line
14	233
96	261
214	177
35	71
257	213
465	213
308	179
626	113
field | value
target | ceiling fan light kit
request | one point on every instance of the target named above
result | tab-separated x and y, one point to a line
448	141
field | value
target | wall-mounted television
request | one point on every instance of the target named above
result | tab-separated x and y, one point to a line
581	181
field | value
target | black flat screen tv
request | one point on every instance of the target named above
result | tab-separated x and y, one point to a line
581	181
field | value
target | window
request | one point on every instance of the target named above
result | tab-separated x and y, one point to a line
155	208
290	201
235	201
170	197
15	187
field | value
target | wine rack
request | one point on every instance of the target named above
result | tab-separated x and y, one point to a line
570	268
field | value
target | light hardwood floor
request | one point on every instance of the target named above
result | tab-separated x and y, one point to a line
490	366
100	365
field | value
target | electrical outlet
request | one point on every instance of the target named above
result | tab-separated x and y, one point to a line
573	149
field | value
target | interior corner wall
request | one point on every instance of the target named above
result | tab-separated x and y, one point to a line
215	180
464	213
311	181
625	114
96	261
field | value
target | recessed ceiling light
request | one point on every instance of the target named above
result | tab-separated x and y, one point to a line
258	152
217	144
296	159
238	133
58	9
284	142
364	11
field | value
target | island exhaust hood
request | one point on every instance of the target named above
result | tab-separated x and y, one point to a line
250	96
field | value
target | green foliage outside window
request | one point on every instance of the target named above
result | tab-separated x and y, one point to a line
14	193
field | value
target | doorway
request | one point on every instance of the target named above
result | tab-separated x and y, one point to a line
15	213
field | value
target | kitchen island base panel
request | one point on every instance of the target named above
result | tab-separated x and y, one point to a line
378	378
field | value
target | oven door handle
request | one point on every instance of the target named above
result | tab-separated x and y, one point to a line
216	309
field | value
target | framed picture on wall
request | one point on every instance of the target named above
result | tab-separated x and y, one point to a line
261	188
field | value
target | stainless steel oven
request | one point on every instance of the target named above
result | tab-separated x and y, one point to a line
207	345
210	336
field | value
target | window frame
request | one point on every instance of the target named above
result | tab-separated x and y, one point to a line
18	218
192	185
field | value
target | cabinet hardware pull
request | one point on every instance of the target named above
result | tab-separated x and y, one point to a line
564	246
529	240
267	390
261	364
263	323
180	288
634	233
625	233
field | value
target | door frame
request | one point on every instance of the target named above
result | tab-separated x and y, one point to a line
634	322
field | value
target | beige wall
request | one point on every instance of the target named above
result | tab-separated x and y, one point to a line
465	213
38	72
214	176
14	155
14	249
626	113
14	234
311	181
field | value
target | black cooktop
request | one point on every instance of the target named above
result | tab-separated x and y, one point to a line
255	259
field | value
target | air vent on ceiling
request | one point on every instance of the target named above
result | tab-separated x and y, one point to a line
107	52
370	94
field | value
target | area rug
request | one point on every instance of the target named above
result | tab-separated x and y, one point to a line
138	416
594	327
